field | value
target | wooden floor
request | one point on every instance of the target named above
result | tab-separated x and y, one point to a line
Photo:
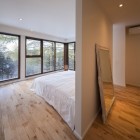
25	116
124	120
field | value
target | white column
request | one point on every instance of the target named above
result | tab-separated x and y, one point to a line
119	55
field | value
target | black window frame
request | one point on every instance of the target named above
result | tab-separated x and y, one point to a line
41	55
33	56
19	42
74	54
54	55
63	56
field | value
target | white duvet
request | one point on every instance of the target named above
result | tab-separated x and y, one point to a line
58	90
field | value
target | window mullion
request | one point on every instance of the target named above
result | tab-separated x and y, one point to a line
41	56
54	55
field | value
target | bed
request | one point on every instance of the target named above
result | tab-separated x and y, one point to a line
58	89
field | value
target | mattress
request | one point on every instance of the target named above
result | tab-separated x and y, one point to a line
58	89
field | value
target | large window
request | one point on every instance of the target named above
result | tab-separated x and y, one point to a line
43	56
59	56
33	57
33	47
71	56
48	56
9	57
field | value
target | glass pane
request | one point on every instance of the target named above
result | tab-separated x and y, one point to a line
48	56
33	66
71	56
9	47
33	47
59	56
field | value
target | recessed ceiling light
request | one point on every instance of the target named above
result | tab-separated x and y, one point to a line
120	5
20	19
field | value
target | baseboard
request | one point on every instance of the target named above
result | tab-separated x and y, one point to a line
89	126
133	85
26	78
10	82
120	86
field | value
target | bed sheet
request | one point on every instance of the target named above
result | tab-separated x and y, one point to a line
58	90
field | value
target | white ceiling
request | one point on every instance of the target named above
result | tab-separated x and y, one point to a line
53	17
57	17
128	15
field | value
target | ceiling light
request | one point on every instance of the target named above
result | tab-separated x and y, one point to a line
120	5
20	19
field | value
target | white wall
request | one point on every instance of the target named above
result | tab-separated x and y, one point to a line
78	80
9	29
23	33
119	55
92	26
133	59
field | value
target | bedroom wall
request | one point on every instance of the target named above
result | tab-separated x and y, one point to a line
92	26
133	59
23	33
119	54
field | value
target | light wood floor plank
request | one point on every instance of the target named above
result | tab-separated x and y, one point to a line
26	116
124	120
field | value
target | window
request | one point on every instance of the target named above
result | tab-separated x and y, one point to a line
43	56
33	47
9	57
71	56
48	56
33	57
59	56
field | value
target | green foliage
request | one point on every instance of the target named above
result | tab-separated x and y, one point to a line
71	56
33	66
7	66
48	59
5	39
8	56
